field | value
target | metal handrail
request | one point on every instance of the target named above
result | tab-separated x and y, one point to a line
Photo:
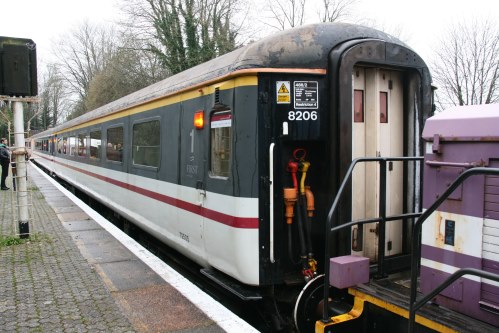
382	219
451	279
416	244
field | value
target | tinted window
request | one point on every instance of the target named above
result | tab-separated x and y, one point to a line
114	149
59	145
146	143
72	146
221	137
82	145
95	144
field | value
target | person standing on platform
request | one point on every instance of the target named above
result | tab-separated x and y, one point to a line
4	161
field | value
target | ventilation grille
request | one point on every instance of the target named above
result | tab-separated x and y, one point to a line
217	95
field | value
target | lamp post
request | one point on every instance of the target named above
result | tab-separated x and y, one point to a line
19	153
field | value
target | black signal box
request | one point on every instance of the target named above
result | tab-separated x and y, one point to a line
18	76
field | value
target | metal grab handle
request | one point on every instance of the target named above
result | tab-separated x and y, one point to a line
452	164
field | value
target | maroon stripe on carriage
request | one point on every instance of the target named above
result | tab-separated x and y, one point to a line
232	221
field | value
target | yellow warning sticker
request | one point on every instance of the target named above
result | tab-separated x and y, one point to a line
283	89
283	92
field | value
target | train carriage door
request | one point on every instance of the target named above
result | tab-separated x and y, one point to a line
377	131
192	150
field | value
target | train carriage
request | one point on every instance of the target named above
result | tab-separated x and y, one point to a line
235	162
464	231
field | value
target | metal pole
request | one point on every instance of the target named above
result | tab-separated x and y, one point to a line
21	172
381	225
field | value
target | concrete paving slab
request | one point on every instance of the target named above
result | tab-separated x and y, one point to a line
89	237
81	225
73	216
66	209
127	275
59	202
97	253
150	311
52	194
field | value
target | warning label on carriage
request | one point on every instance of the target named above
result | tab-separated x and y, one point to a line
283	92
306	94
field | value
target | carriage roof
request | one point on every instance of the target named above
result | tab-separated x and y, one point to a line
305	47
461	123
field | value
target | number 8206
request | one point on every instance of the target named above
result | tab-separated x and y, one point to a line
302	115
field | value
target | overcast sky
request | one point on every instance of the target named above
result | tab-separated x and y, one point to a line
421	22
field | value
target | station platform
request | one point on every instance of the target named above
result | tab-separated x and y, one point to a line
79	273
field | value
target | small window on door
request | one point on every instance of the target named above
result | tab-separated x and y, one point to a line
95	144
72	146
358	106
114	149
82	145
220	140
383	107
65	149
59	145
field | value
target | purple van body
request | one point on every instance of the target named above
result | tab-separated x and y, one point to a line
458	139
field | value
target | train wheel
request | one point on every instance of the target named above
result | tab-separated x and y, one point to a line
308	307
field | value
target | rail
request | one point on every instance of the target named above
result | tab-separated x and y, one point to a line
382	219
416	248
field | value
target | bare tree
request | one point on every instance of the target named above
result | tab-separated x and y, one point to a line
335	10
129	70
52	99
466	69
284	14
82	54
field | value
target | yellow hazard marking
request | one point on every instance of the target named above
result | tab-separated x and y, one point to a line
283	98
283	89
360	298
283	92
400	311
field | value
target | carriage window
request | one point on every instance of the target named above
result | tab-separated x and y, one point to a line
72	146
82	145
383	107
95	144
221	137
114	149
64	145
358	106
145	143
59	145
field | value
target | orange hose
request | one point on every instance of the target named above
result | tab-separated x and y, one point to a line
290	197
310	201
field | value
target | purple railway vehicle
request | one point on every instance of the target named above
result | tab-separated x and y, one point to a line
464	231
